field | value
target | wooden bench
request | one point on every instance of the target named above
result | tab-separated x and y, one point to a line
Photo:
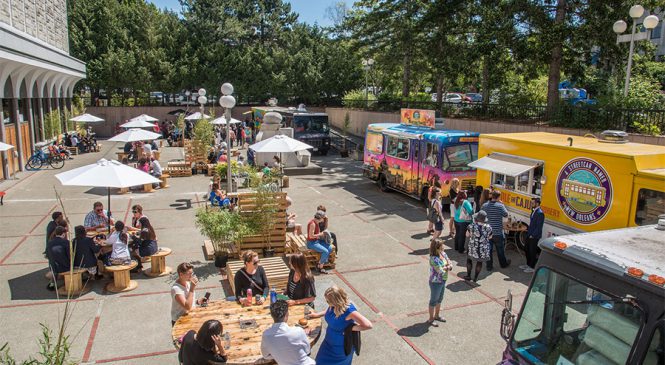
298	243
147	188
276	269
73	283
73	150
179	169
164	181
121	280
210	169
98	147
123	190
209	250
158	263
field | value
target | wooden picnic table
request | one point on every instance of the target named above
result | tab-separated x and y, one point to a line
245	343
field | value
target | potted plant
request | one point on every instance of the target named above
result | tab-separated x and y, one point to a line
262	217
223	228
344	152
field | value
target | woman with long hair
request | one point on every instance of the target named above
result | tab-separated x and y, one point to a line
203	347
300	287
118	242
85	251
439	266
340	314
251	276
437	212
463	217
434	183
484	198
137	213
454	189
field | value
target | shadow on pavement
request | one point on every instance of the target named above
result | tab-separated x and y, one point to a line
414	330
459	286
182	204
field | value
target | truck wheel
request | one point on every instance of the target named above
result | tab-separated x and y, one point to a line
383	183
521	240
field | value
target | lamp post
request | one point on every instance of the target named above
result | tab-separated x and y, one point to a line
650	22
202	100
227	101
367	65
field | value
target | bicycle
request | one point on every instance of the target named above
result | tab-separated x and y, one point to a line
39	159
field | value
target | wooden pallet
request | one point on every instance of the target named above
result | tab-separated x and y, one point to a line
298	243
276	270
246	204
178	169
209	251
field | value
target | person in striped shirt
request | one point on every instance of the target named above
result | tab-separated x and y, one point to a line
496	211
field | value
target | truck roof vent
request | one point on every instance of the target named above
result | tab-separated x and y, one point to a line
611	136
661	223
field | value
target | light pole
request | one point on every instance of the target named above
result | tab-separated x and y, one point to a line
227	101
202	100
650	22
367	65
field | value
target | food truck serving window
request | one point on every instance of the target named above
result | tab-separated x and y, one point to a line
567	322
650	204
374	142
513	172
398	147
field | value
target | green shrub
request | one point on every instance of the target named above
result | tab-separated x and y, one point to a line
358	99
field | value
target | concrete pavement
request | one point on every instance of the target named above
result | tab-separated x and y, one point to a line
382	265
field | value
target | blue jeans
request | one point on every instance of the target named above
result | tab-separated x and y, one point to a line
436	293
500	243
460	235
321	246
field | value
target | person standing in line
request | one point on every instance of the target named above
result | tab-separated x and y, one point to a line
434	183
454	189
480	234
232	137
439	266
463	216
343	319
496	211
282	343
534	233
436	213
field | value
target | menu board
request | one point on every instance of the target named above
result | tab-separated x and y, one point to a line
421	117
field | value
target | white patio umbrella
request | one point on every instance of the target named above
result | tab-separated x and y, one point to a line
86	118
135	134
222	121
5	147
106	174
280	143
197	116
137	123
145	117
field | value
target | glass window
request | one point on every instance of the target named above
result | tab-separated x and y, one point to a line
565	321
459	156
650	204
657	31
432	155
656	351
398	147
374	142
310	123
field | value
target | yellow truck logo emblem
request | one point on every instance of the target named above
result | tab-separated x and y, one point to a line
584	190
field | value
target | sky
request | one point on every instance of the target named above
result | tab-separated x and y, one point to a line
310	11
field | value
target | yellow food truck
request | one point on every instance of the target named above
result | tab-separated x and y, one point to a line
585	183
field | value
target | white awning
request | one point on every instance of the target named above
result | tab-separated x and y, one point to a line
504	164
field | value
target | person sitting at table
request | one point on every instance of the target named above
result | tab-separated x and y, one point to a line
183	297
285	344
251	276
203	347
291	225
118	242
57	252
300	286
218	197
127	149
155	168
215	180
86	251
143	165
315	240
137	214
50	227
145	243
97	218
323	226
147	150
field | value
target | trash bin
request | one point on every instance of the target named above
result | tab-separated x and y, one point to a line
285	181
305	159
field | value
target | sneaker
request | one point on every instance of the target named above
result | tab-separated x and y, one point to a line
506	265
467	278
529	270
523	267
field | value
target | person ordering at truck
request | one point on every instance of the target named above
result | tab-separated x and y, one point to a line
534	233
496	211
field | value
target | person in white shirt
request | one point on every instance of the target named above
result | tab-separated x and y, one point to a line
118	241
155	167
183	298
286	345
147	149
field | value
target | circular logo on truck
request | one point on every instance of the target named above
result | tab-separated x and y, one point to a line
584	190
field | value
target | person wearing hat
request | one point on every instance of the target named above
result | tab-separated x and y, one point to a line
480	234
534	233
315	240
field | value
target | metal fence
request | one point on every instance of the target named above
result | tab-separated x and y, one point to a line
645	121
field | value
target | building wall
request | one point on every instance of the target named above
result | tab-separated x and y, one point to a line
45	20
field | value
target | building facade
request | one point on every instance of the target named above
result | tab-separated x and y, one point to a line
37	74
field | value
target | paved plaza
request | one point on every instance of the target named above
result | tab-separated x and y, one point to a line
382	264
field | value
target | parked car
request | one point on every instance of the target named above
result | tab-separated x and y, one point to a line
453	98
475	97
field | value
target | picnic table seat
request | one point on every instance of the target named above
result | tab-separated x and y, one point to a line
276	269
73	150
158	263
122	155
164	180
73	283
121	279
298	243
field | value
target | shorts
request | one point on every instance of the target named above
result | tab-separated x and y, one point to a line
438	226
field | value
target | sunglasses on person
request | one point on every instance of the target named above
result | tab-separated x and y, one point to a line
135	211
99	210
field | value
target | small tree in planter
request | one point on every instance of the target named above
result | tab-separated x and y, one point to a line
345	130
223	228
262	217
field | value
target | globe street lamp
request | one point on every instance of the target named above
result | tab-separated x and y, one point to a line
227	101
650	22
367	65
202	100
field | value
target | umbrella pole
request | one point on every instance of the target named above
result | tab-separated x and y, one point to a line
108	191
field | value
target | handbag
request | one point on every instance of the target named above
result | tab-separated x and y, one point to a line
253	283
463	214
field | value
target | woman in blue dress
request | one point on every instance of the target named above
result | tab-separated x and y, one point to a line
340	314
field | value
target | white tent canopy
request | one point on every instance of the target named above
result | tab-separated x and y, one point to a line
197	116
280	144
5	147
86	118
222	121
145	118
135	134
137	123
